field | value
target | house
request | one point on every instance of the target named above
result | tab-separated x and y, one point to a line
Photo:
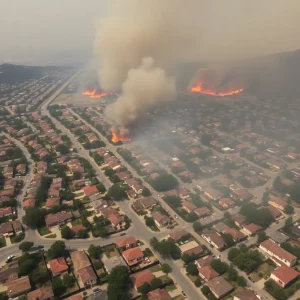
133	256
246	294
6	229
226	203
98	204
204	261
144	203
236	235
219	287
220	227
212	194
20	169
29	202
239	220
207	273
116	220
17	226
177	234
58	266
278	254
83	269
18	287
43	293
242	195
90	190
191	248
53	193
10	184
278	203
76	228
8	172
59	218
284	275
141	278
160	219
41	167
51	202
202	212
79	183
278	237
10	273
135	185
274	212
213	238
188	206
251	228
5	211
127	242
159	294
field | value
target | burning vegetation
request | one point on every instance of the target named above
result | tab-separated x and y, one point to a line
208	82
94	93
120	135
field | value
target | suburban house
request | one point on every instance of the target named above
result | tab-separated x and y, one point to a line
116	220
213	238
202	212
278	254
133	256
219	287
177	234
59	218
239	220
18	287
226	203
6	229
6	211
144	203
21	169
251	228
191	248
142	277
9	273
90	190
278	203
83	269
284	275
236	235
212	194
43	293
159	294
188	206
246	294
52	202
126	242
204	261
274	212
58	266
207	273
160	219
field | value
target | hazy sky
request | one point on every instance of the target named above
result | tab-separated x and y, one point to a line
37	31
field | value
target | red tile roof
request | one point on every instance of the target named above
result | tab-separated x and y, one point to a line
90	190
58	265
286	274
132	254
122	242
42	293
208	272
159	294
141	278
253	228
277	250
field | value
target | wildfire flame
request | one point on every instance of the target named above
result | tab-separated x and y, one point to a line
198	88
210	82
119	136
94	94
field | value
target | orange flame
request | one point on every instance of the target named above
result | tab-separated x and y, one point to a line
94	94
119	136
198	88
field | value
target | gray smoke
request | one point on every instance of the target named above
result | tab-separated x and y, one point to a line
173	31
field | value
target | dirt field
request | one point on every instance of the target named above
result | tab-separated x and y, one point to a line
76	100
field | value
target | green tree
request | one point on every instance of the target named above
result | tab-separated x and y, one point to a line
261	236
62	149
198	281
144	288
197	226
94	251
192	217
34	217
173	201
3	296
66	232
205	290
26	246
26	266
166	268
156	283
116	192
241	281
219	266
57	249
192	269
58	286
164	182
68	281
228	239
149	221
117	284
232	274
39	276
289	209
82	234
146	192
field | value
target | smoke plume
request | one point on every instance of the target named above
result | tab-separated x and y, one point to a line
173	31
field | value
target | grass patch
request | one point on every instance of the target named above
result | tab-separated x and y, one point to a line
51	236
2	242
44	230
17	238
110	251
155	268
171	287
154	228
263	271
166	279
179	297
76	222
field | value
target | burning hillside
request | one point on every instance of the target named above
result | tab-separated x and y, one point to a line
120	135
94	93
208	82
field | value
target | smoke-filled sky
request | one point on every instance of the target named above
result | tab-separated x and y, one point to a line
63	30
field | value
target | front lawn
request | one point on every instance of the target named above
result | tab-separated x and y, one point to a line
44	230
155	268
110	251
263	271
2	242
17	238
51	236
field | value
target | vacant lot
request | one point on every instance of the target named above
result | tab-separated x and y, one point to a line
263	271
76	100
